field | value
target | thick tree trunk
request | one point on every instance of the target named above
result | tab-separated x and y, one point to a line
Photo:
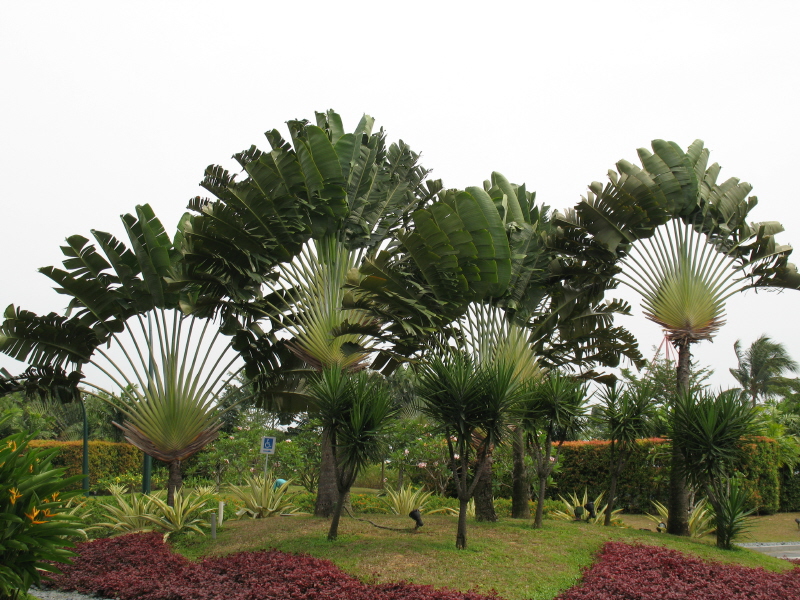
520	479
174	482
537	521
461	533
678	522
327	494
484	496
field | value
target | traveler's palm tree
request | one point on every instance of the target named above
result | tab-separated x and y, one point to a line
761	367
684	244
124	320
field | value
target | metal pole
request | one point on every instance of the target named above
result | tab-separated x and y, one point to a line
266	462
85	465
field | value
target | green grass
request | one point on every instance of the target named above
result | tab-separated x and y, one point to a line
510	557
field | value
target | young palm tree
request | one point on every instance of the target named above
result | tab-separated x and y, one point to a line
761	367
711	432
356	409
550	412
469	401
626	415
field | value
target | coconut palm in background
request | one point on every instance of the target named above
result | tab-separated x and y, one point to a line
761	367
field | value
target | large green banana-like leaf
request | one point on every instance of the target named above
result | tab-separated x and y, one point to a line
45	340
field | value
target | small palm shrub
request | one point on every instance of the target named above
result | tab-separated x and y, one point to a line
262	498
731	514
36	522
701	519
573	502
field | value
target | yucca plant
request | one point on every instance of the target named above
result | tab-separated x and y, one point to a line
262	498
731	512
701	518
572	502
186	513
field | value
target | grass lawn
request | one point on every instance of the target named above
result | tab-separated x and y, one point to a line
509	557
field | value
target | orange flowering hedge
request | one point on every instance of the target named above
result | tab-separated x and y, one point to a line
106	459
646	475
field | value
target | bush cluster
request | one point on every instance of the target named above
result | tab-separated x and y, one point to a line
141	566
106	459
653	573
585	465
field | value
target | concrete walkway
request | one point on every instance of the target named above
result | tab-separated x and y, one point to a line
776	549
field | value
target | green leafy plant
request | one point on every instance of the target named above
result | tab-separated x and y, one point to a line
701	518
573	502
36	525
403	501
186	513
731	513
128	515
262	498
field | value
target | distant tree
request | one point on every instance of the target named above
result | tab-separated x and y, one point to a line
761	368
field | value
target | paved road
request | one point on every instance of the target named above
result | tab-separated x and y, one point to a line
776	549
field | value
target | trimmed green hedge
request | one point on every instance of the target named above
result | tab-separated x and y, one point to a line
106	459
585	465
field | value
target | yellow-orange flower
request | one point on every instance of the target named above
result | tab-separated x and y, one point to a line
55	496
14	495
35	512
11	444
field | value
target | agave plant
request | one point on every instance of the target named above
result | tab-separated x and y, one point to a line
403	501
186	513
128	515
262	498
573	502
701	518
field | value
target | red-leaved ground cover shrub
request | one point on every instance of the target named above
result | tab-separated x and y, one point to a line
141	566
625	572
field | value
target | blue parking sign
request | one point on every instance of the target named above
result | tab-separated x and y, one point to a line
267	445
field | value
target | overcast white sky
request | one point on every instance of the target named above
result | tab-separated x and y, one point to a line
105	105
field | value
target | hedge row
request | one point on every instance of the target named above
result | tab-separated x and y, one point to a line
585	465
106	459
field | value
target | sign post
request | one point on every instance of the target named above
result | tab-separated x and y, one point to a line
267	448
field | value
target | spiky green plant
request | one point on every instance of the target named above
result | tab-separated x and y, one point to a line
130	514
404	500
701	517
187	513
572	502
262	498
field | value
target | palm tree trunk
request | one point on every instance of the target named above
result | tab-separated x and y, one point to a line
678	522
327	494
461	533
537	521
484	494
520	481
333	532
174	482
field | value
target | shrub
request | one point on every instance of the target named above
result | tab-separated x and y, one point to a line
106	459
33	512
141	566
654	573
646	476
